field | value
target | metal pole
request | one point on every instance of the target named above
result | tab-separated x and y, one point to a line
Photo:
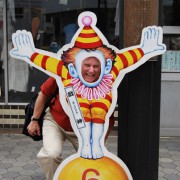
5	39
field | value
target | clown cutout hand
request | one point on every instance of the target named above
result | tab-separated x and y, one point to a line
94	69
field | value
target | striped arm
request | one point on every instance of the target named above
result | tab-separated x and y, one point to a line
50	64
125	60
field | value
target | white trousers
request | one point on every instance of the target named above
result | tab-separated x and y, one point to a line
53	138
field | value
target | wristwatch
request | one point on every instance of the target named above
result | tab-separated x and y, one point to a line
34	119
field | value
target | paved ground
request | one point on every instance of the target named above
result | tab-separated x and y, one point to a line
18	157
169	158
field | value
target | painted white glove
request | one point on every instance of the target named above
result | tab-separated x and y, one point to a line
23	45
152	40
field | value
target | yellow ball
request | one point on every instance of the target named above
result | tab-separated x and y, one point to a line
89	169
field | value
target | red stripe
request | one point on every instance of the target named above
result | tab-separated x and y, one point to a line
43	62
88	45
124	60
78	95
108	98
84	105
88	35
114	69
99	105
134	56
98	121
33	56
87	27
68	76
87	119
141	52
59	68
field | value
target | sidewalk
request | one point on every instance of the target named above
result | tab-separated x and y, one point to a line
18	156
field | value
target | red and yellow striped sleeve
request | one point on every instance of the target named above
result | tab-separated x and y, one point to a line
51	64
125	60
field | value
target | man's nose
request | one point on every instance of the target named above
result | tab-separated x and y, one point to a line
91	68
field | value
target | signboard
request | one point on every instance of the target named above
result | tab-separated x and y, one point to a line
90	70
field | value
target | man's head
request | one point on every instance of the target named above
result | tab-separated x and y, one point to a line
91	69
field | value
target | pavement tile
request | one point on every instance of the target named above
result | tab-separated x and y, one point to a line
3	171
175	153
164	155
176	162
164	150
15	169
177	158
168	165
33	161
8	160
19	163
177	168
161	174
172	177
31	167
10	175
23	158
165	160
170	171
38	176
39	170
26	172
12	156
3	153
23	178
5	165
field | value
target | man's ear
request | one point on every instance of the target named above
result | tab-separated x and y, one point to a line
108	66
72	70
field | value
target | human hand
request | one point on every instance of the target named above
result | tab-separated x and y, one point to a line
23	45
33	128
151	40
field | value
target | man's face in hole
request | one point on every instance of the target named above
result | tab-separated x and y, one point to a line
91	69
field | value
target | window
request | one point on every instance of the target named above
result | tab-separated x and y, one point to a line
52	24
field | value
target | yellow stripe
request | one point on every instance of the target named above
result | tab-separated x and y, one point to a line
114	75
88	40
51	65
81	100
98	113
138	54
86	112
66	82
64	72
129	58
38	59
87	31
104	101
118	64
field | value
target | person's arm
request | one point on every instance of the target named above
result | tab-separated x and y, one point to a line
33	127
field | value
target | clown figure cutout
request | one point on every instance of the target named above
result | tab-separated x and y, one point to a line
93	69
